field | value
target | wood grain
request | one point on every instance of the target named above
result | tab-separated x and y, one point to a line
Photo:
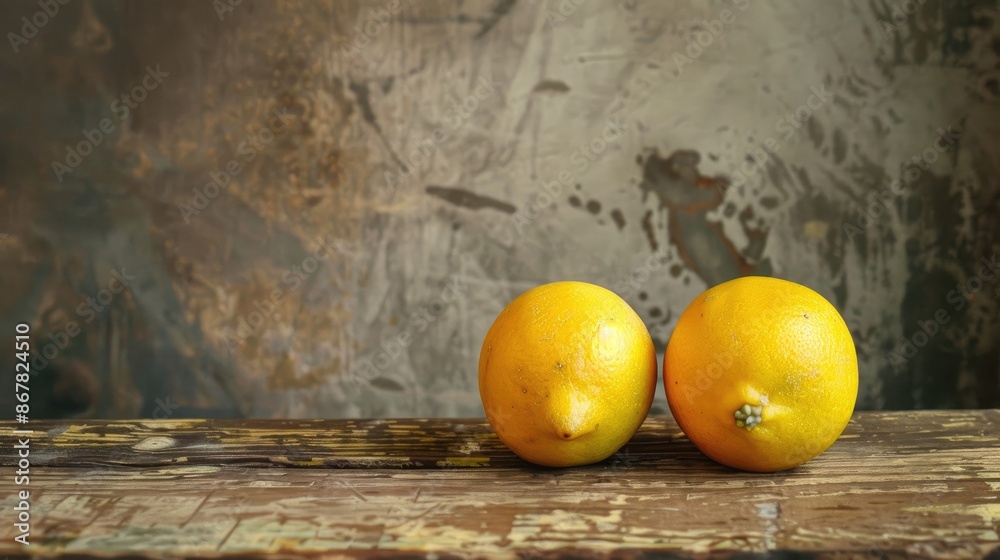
896	485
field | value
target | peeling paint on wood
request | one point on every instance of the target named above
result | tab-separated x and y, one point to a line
896	485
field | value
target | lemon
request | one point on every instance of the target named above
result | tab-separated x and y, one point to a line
761	374
567	374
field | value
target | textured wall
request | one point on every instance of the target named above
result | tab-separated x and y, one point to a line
319	207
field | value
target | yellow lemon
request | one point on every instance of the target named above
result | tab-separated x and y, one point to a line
761	374
567	374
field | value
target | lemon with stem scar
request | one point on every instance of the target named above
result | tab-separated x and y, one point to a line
761	374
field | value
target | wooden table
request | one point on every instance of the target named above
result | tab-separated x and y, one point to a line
904	484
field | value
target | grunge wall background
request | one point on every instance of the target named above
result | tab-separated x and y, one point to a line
317	208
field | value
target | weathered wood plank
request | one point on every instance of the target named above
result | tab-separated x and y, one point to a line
435	443
200	509
896	485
